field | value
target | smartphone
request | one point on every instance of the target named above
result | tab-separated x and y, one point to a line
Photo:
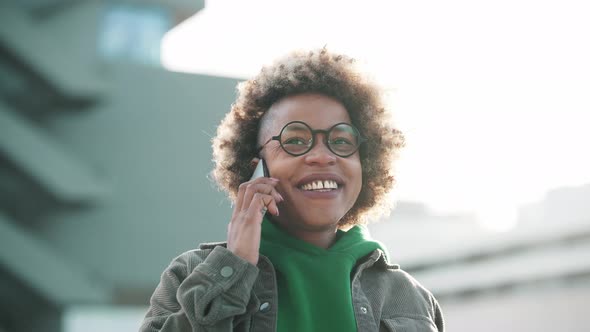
261	170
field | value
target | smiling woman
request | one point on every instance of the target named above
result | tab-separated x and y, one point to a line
329	75
309	212
298	257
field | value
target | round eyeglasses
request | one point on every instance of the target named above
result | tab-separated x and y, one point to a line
297	138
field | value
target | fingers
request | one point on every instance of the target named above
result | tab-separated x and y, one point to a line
254	199
256	182
248	190
260	204
264	187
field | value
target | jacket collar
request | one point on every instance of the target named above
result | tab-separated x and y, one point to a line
211	245
376	257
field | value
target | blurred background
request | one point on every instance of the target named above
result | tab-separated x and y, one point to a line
107	109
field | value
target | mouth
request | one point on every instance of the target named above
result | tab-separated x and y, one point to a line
320	183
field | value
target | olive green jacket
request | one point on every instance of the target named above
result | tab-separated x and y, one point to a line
211	289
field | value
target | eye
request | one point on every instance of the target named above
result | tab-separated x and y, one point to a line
295	141
341	141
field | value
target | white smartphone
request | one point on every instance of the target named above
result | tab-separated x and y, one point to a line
261	170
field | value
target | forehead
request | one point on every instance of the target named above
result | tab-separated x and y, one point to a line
318	111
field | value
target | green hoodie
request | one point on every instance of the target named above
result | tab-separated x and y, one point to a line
314	283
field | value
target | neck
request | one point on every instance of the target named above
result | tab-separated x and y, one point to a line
320	237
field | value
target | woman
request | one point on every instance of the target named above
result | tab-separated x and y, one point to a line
327	145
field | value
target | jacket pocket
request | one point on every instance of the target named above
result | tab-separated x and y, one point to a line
407	324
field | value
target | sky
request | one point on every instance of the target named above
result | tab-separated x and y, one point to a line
493	96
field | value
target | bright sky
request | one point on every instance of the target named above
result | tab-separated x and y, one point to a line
494	96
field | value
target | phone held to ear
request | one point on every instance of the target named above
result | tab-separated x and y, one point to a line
260	171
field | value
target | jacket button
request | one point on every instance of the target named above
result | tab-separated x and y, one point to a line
227	271
364	310
264	307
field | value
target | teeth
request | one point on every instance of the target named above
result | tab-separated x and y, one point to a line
320	185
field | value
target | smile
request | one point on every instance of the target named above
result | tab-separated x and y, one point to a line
319	185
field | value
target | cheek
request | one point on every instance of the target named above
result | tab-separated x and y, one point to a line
283	169
356	173
274	162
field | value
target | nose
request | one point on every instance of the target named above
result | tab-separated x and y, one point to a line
320	154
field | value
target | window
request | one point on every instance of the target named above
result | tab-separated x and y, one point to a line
133	32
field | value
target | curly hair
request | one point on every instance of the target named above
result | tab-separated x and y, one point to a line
322	72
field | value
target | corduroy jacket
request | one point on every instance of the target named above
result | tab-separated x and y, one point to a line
211	289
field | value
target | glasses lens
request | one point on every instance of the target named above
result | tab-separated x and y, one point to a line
296	138
343	139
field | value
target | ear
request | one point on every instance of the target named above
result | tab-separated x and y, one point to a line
254	162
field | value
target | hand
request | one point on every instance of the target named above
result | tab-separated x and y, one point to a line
255	197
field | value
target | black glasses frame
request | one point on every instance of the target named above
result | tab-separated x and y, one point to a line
326	133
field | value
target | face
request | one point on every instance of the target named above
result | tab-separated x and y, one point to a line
304	208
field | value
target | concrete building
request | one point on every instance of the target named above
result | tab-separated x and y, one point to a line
104	156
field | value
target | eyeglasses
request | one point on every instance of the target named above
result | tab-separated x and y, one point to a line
297	138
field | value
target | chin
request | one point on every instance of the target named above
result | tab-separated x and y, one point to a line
321	221
312	219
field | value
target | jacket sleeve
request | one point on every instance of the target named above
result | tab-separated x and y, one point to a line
439	319
201	295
